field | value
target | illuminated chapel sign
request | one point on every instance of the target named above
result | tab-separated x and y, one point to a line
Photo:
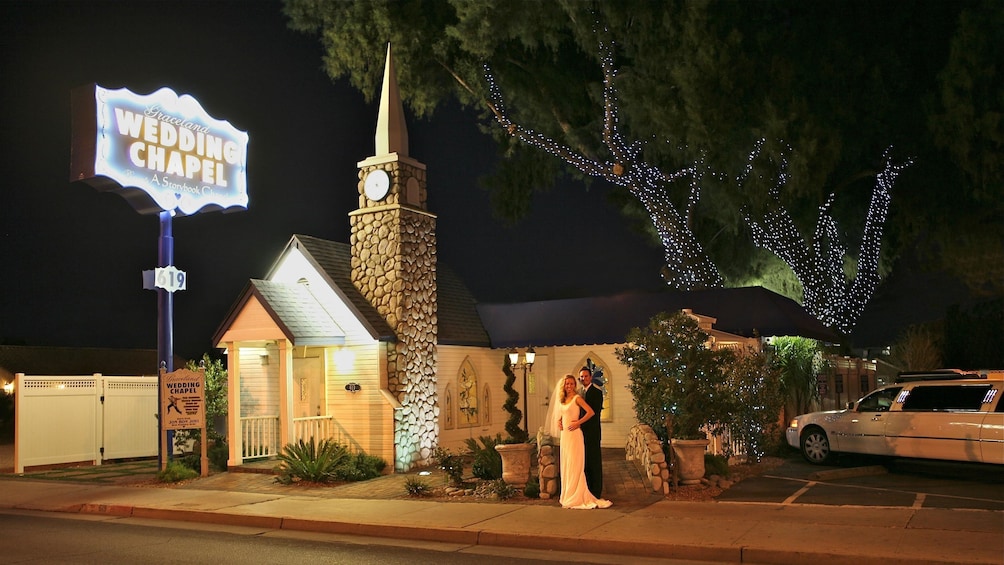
161	151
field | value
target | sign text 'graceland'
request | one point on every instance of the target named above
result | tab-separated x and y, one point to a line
161	151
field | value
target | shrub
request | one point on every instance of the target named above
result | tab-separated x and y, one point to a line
677	382
756	399
360	467
216	402
219	453
486	462
532	489
683	389
497	488
191	461
716	465
176	471
451	464
516	433
310	461
417	487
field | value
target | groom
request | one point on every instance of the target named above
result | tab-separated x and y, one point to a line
591	433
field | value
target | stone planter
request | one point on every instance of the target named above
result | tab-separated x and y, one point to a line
515	462
688	458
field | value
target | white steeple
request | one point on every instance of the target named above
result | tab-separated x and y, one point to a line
391	131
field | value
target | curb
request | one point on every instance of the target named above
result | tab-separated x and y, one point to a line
474	537
834	474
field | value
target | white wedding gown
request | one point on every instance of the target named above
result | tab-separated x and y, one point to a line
574	491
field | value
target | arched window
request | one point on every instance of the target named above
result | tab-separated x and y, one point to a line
448	420
597	365
467	393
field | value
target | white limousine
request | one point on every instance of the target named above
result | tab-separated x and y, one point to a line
956	418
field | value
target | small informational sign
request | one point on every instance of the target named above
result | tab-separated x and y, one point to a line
183	399
169	278
160	151
183	407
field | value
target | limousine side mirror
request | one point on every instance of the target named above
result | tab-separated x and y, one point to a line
850	406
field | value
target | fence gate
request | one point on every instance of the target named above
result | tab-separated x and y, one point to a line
83	418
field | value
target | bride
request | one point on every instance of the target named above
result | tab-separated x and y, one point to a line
566	419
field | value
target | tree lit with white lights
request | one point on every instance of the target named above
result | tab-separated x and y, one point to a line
819	262
687	265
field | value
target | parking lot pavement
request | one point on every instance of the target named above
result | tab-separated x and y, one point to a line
860	481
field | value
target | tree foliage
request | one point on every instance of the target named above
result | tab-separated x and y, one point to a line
700	82
679	382
675	378
215	390
512	424
919	348
974	337
800	360
754	379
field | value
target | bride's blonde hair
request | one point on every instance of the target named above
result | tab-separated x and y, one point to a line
564	391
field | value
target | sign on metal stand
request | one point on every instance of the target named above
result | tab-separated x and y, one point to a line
165	155
183	407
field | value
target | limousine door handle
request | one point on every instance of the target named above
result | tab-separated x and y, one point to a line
876	417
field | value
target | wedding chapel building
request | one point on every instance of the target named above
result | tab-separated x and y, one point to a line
375	344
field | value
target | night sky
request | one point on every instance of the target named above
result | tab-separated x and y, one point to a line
72	257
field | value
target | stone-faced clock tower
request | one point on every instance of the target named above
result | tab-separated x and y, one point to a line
394	266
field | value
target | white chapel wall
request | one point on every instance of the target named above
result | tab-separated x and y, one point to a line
259	383
618	417
491	417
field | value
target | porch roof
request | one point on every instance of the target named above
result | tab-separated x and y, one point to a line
459	323
301	316
745	311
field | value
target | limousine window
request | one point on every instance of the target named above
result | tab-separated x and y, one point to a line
946	397
878	401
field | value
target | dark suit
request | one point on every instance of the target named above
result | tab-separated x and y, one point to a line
591	437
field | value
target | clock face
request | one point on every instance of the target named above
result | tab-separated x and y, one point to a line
377	185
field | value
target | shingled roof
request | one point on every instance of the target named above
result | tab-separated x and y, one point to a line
303	318
334	259
748	312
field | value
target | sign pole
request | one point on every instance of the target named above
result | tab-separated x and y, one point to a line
165	321
162	152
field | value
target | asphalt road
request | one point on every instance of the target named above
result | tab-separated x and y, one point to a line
870	481
73	539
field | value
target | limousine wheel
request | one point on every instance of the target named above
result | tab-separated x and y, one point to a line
815	446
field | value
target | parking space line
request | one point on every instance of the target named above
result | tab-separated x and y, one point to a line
798	493
918	502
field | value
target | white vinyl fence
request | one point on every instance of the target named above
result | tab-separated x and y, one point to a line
83	418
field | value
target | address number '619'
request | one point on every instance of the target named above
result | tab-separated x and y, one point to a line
170	278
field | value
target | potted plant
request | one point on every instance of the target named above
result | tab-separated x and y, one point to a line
515	451
679	386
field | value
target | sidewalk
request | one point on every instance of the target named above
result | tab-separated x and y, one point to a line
702	531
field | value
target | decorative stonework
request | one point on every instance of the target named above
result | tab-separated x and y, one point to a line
548	475
394	267
408	187
644	448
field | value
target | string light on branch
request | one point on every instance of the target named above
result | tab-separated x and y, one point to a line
819	265
687	265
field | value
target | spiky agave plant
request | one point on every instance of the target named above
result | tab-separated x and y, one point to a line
312	461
